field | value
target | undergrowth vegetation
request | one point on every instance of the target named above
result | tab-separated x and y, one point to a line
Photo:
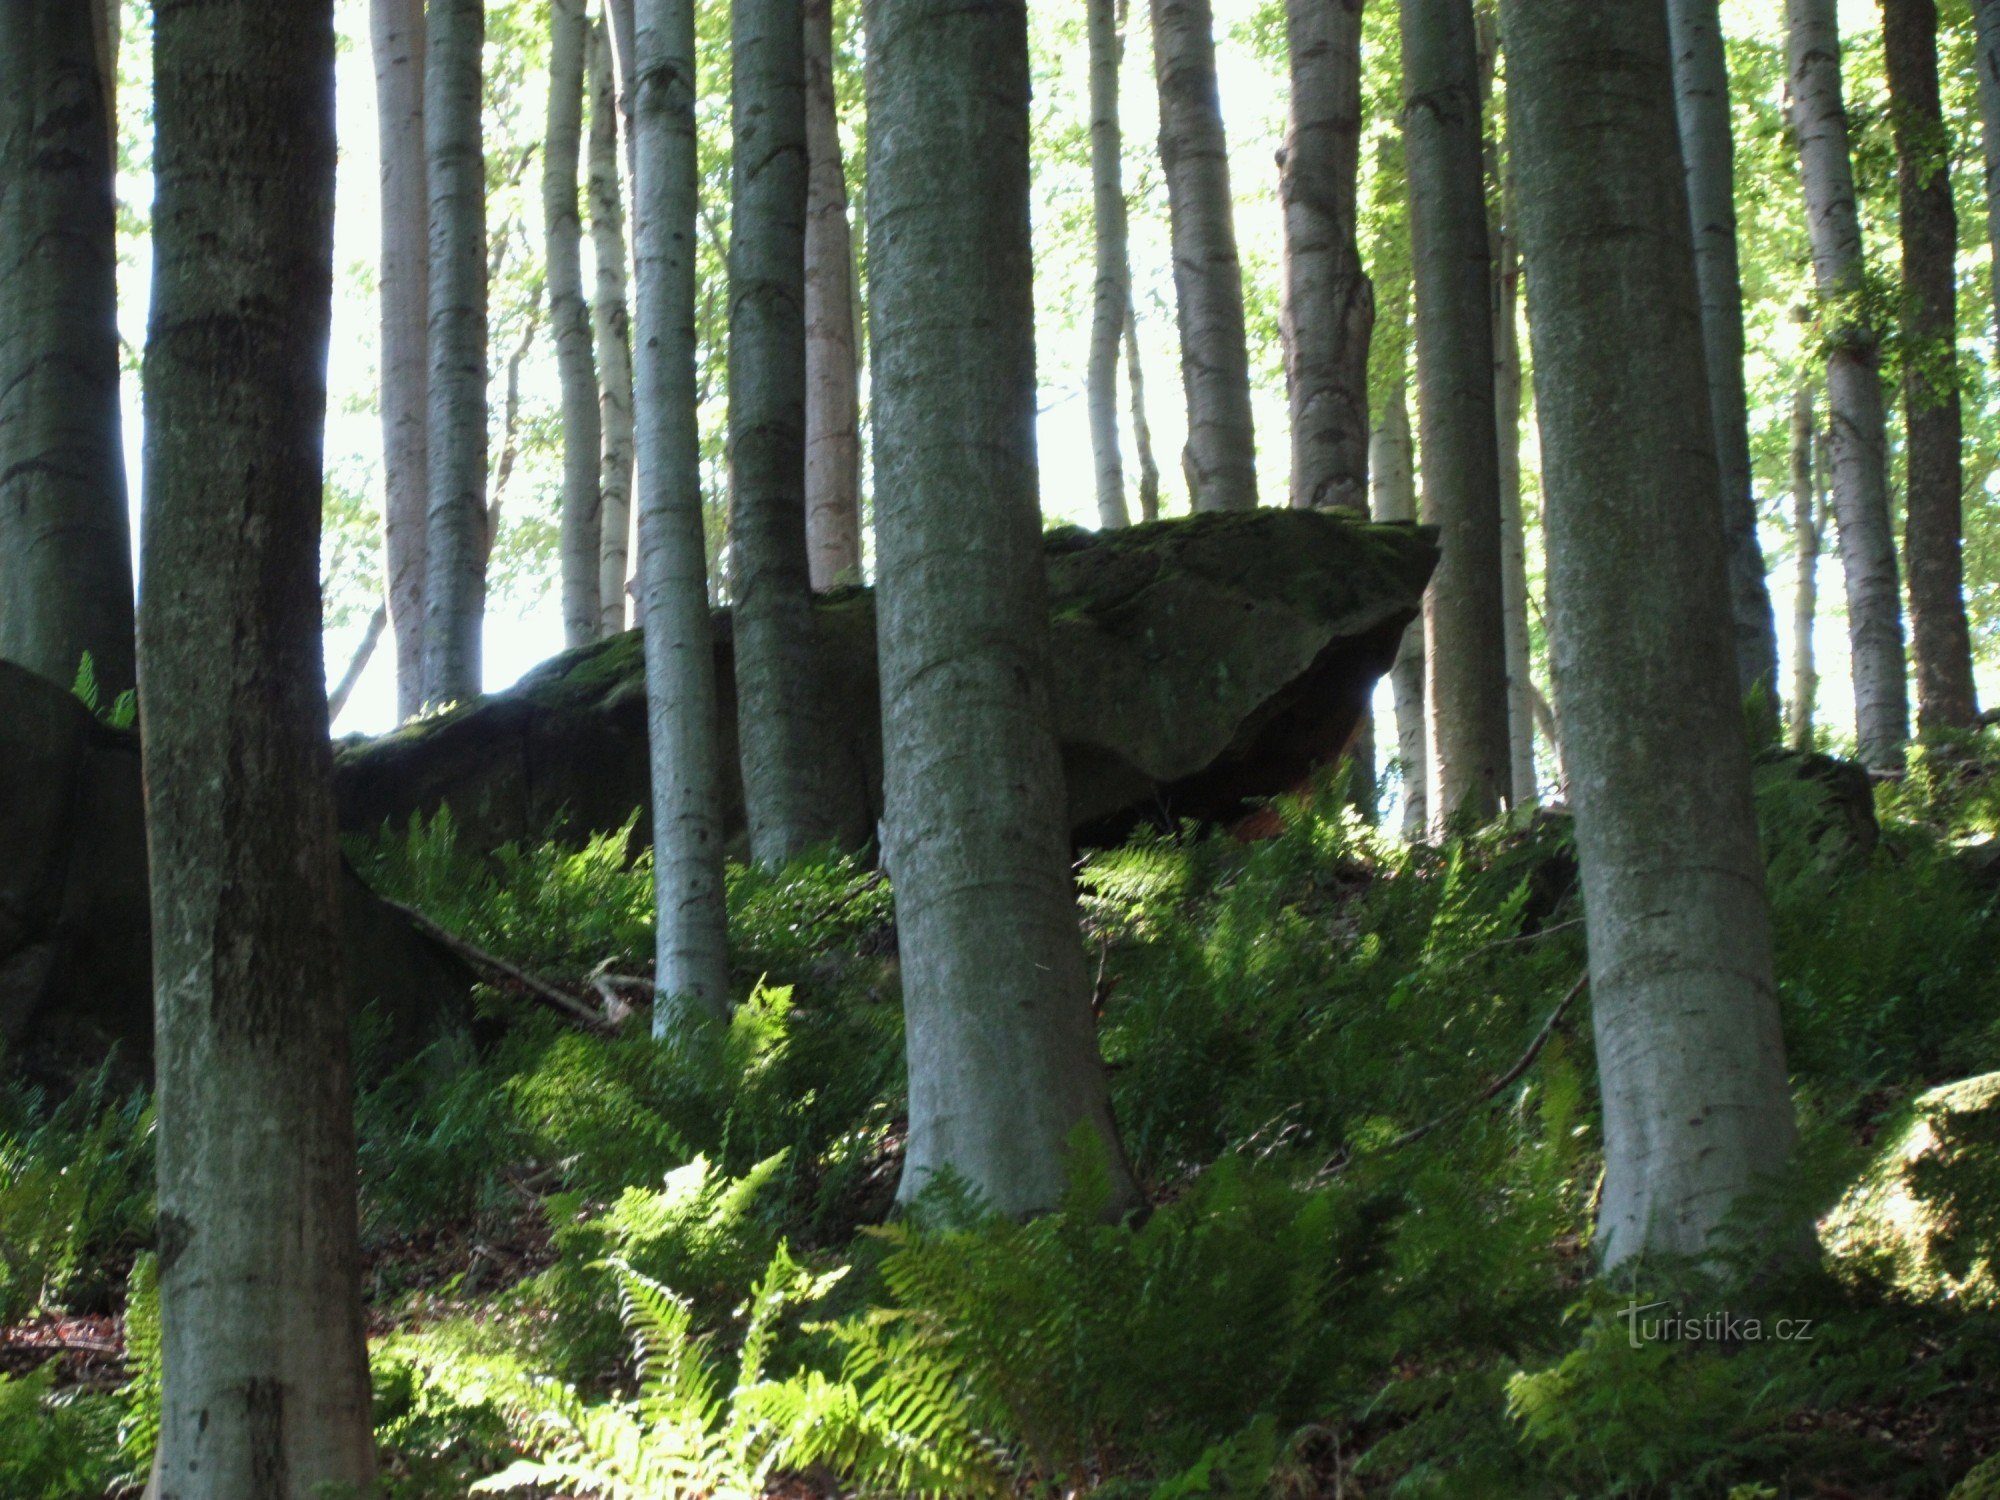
1354	1077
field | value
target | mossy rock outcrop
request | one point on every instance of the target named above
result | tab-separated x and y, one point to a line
1926	1217
1196	665
1983	1483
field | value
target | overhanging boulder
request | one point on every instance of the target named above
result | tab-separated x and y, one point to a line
1196	665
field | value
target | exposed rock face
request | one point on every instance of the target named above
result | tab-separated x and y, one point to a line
1196	664
76	959
75	935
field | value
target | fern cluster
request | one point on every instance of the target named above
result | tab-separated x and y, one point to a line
75	1189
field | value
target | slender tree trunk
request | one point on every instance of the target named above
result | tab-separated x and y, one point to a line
65	541
624	64
693	954
1327	308
1112	289
1524	789
569	322
397	29
1326	304
455	529
1940	643
510	419
1708	150
1854	386
612	324
778	723
1805	547
1395	487
364	653
1002	1051
1461	460
1697	1109
1986	16
833	354
1221	456
1142	430
265	1365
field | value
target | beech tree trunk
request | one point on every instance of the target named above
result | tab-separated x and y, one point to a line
1221	455
1697	1109
612	324
1003	1059
1142	430
403	275
1524	788
1464	611
693	951
456	527
1940	643
1805	551
1854	386
833	352
778	718
65	540
1395	495
1112	289
1327	308
569	324
1708	151
1986	17
265	1369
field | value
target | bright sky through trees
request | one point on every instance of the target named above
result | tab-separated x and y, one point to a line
524	622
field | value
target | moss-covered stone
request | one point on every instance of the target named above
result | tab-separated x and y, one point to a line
1926	1216
1196	663
1983	1483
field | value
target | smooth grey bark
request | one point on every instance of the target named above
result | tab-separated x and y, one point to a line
65	540
778	716
1933	428
1220	460
1708	151
1523	782
456	537
1326	305
693	951
581	507
1854	386
1112	286
1457	426
1003	1059
1806	522
1697	1109
396	28
1986	19
1393	478
611	324
264	1366
833	327
1142	430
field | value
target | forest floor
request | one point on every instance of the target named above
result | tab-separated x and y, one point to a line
1355	1078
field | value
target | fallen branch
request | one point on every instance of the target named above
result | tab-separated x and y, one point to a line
565	1005
1485	1095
